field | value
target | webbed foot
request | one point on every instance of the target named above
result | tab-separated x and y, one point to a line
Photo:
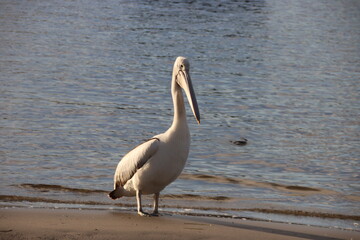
155	214
143	214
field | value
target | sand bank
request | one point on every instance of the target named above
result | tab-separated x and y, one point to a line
96	224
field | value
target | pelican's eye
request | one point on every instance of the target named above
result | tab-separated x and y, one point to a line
181	67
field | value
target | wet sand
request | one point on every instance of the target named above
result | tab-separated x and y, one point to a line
112	224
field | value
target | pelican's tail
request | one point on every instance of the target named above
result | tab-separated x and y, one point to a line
117	193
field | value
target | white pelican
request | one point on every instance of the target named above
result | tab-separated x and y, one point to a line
151	166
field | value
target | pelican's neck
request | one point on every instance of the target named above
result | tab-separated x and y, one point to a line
179	106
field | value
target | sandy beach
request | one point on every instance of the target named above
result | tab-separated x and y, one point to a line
112	224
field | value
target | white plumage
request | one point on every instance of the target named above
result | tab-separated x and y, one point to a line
151	166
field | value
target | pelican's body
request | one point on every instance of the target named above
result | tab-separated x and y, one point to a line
151	166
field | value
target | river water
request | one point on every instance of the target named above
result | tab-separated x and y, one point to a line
83	83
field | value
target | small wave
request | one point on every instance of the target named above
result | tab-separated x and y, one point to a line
52	187
198	197
306	213
59	188
198	210
302	188
229	180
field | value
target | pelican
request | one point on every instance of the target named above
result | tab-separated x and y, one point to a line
154	164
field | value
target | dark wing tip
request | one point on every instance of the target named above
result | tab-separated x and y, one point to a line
112	195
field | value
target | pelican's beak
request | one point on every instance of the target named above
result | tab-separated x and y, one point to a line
185	82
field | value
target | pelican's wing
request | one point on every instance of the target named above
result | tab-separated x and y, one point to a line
134	160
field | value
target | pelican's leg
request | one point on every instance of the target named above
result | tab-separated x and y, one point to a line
139	208
156	204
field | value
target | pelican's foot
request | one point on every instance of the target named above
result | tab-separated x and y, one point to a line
143	214
155	214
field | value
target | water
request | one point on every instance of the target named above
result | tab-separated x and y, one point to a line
82	84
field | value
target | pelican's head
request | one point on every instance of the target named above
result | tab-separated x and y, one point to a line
182	77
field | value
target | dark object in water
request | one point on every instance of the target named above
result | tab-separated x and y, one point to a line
241	142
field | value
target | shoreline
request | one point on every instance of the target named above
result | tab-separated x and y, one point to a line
166	203
269	213
25	223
